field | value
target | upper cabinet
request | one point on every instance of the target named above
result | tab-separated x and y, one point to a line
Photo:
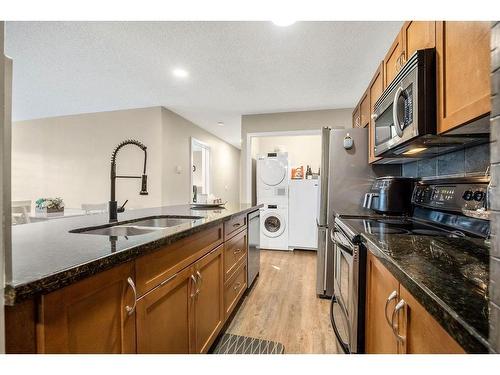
414	35
393	60
374	92
356	121
417	35
364	109
463	64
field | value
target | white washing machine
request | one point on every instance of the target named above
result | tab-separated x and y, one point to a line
273	178
274	227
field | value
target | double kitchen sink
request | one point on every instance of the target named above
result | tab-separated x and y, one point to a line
139	226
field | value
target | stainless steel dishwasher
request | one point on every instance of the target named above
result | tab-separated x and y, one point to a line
253	247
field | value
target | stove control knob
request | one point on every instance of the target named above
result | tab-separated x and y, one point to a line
468	195
478	196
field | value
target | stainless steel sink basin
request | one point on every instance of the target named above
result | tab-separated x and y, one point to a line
139	226
120	231
164	222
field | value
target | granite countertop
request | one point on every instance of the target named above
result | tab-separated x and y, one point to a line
46	256
449	276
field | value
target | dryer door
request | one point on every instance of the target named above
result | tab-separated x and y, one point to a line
272	171
273	224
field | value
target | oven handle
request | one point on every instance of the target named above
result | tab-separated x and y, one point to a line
343	345
399	131
340	243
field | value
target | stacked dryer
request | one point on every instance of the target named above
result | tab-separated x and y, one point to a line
272	191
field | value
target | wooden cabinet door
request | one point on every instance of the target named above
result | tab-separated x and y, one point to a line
164	316
90	316
209	306
380	284
374	92
463	64
364	109
355	117
424	335
418	35
393	60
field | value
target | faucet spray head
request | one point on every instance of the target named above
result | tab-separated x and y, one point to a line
144	185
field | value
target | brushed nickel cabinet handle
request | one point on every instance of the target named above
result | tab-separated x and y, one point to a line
237	286
401	304
200	278
195	284
236	225
130	309
392	296
237	251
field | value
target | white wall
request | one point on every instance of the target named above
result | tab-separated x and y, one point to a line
286	121
302	149
224	161
69	157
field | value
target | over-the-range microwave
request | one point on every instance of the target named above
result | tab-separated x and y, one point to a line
405	115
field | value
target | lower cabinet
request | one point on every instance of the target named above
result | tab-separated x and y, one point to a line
209	300
396	322
163	316
381	296
185	313
95	315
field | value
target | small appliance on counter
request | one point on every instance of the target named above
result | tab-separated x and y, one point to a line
390	195
440	208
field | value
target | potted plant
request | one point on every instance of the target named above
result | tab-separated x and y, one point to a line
49	205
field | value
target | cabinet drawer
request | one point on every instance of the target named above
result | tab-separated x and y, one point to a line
154	268
234	289
233	225
235	249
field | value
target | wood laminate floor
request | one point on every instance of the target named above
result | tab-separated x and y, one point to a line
282	305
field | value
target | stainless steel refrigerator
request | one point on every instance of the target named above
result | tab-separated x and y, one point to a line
345	178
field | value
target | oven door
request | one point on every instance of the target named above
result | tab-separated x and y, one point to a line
396	115
341	312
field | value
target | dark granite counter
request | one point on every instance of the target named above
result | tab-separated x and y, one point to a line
449	276
46	256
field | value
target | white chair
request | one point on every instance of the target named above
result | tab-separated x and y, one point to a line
21	212
94	208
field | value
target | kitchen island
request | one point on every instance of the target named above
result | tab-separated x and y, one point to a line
72	291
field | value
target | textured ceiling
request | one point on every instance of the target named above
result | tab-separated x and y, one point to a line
234	68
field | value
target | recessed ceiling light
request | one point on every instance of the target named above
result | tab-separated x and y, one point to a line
283	22
220	123
180	73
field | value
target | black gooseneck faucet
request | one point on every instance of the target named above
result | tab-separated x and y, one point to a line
113	206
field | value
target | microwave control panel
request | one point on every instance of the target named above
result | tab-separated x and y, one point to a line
451	197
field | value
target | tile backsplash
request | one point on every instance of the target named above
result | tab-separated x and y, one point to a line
473	160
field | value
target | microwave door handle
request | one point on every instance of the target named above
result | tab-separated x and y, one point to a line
399	131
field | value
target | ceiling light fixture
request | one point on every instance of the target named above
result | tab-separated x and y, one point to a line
180	73
283	22
414	151
220	123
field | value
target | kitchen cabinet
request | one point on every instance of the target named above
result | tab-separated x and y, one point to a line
163	316
417	35
235	249
396	322
364	110
185	313
393	60
234	288
209	300
95	315
423	335
463	72
381	297
356	120
375	90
